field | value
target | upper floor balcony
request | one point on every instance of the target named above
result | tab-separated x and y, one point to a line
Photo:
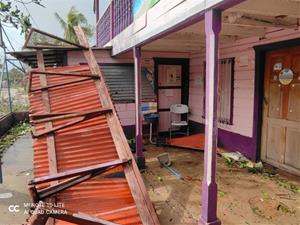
117	16
128	23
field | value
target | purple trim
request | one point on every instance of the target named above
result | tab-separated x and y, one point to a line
111	20
115	19
213	21
138	108
230	141
122	15
96	9
103	28
236	142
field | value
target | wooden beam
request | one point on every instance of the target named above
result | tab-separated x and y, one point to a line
268	8
133	176
54	189
64	74
81	218
65	115
87	116
229	29
33	193
256	21
59	85
79	171
46	105
38	218
42	213
34	30
52	130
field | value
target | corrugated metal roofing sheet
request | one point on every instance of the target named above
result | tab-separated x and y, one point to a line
120	81
108	196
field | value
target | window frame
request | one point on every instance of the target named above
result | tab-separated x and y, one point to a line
232	62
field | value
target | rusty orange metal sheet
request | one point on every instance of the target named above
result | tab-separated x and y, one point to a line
84	144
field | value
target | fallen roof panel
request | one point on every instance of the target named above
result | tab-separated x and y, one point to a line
76	129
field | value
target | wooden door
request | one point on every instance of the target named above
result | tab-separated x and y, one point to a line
281	110
169	92
171	85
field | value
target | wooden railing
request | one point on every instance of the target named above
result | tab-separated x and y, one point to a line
115	19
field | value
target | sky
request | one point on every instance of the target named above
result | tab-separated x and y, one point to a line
44	19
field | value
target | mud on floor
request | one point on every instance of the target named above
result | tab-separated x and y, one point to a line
243	197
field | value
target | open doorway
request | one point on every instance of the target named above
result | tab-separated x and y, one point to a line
171	87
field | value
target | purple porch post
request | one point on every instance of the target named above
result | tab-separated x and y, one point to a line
138	108
209	186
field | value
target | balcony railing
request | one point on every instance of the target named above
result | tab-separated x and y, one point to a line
115	19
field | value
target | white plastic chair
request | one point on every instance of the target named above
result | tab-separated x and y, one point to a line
179	109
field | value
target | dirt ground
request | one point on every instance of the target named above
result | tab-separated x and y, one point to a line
243	198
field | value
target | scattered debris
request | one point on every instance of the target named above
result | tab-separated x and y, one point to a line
265	194
285	209
269	208
232	158
221	193
236	156
189	178
159	179
164	161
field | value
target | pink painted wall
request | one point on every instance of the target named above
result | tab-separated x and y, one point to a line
244	54
126	111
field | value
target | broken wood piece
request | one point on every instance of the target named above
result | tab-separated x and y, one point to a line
57	128
38	218
54	189
64	74
33	193
79	171
61	84
43	212
58	116
51	36
82	218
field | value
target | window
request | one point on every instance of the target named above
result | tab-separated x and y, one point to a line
225	90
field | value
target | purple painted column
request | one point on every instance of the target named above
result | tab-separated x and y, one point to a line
209	186
96	4
111	20
138	108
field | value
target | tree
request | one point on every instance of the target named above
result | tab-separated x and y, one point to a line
74	18
10	14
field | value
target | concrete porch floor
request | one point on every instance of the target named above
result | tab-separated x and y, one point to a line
244	198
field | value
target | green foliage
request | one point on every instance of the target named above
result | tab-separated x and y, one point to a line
229	162
16	77
14	133
10	14
221	193
74	18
